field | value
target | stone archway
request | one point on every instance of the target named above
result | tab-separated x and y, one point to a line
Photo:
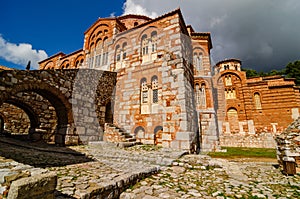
34	121
77	98
57	100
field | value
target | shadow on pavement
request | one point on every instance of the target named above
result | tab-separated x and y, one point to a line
40	154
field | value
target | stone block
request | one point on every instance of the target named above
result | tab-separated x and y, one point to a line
184	136
166	137
184	125
38	187
148	142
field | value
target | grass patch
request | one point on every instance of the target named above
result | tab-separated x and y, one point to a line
243	152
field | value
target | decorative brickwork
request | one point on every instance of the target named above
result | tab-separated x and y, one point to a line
261	106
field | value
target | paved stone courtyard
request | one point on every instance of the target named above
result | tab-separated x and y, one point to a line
188	176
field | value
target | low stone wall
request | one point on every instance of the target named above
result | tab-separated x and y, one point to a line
20	181
263	140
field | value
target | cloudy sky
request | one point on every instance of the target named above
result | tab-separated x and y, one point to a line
264	34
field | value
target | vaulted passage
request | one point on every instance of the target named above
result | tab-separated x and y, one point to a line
44	105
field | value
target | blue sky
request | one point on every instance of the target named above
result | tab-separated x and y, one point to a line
51	26
264	35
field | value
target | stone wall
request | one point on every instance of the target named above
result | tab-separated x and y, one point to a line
262	140
16	120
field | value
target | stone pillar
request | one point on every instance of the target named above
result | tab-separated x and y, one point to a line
60	135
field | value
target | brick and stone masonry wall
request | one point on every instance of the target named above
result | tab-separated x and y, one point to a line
261	140
174	112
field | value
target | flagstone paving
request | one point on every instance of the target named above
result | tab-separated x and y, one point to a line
148	172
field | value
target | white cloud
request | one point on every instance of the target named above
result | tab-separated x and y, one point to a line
131	7
21	53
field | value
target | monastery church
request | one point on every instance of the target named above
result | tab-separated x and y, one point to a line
167	92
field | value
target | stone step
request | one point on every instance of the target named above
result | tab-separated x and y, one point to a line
130	139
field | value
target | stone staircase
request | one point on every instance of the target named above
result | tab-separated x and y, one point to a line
115	134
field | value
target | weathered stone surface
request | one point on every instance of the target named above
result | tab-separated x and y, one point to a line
288	148
39	187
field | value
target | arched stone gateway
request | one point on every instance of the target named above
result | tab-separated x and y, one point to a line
79	110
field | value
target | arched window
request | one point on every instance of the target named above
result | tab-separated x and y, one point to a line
197	61
144	45
118	53
257	101
153	41
154	85
135	24
228	81
144	91
197	92
202	96
92	56
230	93
124	50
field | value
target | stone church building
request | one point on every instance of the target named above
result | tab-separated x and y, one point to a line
168	93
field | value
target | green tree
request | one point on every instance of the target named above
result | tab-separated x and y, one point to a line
250	72
293	70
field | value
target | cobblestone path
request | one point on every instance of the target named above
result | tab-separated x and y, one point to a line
82	170
199	176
